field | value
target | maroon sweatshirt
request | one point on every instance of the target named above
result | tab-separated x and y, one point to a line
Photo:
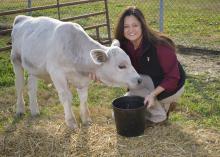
165	57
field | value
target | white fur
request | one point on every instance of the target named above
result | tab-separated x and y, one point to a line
60	52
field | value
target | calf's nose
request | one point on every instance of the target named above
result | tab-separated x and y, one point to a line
139	80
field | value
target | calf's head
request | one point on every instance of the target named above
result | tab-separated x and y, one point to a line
114	67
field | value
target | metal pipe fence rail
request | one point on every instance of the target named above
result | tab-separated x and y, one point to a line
6	26
191	23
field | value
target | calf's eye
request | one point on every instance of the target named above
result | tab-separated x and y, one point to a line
121	66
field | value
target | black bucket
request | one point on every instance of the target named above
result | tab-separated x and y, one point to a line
129	113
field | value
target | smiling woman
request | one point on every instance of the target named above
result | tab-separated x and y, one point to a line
153	56
132	30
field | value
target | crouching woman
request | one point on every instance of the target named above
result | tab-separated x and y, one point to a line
153	55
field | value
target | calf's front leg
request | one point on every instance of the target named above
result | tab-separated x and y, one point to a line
84	111
32	92
65	96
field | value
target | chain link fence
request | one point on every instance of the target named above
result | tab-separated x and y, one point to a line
191	23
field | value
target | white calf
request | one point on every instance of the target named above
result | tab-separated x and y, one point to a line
63	53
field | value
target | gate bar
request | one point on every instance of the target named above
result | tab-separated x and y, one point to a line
46	7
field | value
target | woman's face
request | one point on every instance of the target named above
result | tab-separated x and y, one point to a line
132	29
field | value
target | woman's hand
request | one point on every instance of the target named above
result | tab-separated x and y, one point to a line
150	100
93	77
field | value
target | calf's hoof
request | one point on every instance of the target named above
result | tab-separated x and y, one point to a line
35	113
71	123
87	122
19	114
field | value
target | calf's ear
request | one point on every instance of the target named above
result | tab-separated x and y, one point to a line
115	42
98	56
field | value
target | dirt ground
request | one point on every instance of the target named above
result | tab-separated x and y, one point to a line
200	63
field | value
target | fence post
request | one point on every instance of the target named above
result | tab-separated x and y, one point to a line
161	15
58	9
107	20
29	6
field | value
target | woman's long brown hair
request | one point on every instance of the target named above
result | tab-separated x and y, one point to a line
149	35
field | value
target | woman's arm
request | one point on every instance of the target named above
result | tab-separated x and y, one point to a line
149	99
169	64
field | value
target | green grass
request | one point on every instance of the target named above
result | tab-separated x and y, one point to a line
190	23
201	101
6	74
196	23
200	104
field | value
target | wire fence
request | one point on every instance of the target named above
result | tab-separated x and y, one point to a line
191	23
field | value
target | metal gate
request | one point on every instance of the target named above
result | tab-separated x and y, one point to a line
101	9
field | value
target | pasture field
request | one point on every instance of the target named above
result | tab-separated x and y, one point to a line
192	23
193	129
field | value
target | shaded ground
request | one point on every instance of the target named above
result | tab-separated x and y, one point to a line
48	135
201	63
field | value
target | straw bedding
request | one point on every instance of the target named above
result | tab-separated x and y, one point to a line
43	136
47	135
